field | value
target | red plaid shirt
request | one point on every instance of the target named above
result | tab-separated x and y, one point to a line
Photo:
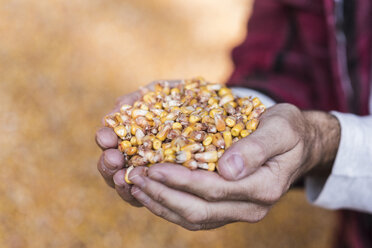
316	54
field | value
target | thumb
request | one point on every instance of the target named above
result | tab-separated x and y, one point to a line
274	136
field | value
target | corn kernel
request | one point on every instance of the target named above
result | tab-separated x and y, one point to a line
120	131
127	174
235	131
156	144
211	166
194	118
244	133
124	145
131	150
230	121
133	141
256	102
208	140
177	125
227	138
252	124
223	91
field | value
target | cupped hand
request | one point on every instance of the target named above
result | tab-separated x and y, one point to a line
111	163
252	175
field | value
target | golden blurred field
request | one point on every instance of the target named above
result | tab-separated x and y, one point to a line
62	65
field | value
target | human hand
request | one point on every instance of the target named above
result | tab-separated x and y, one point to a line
111	163
252	174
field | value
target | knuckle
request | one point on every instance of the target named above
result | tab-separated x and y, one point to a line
160	196
215	194
196	217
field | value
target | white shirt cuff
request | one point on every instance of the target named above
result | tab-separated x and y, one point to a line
350	184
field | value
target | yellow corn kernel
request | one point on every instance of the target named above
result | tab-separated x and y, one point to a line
194	118
177	125
183	156
124	145
131	150
191	86
124	108
163	114
156	144
220	153
193	147
120	131
110	122
158	88
230	121
215	111
134	128
226	99
232	104
187	109
208	140
212	101
170	158
211	166
191	164
158	105
207	119
166	90
252	124
133	141
139	136
149	97
186	132
256	102
138	112
218	140
193	101
118	118
235	131
168	151
227	138
220	123
150	116
166	146
175	91
163	132
223	91
206	157
247	109
244	133
127	174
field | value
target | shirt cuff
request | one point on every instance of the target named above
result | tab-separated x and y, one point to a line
350	183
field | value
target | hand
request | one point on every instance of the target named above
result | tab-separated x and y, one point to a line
252	174
111	163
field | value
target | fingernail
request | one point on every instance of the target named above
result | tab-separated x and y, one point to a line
235	165
137	180
156	176
119	179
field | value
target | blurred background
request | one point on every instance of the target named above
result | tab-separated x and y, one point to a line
62	65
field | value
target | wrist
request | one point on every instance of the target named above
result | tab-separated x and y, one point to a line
324	132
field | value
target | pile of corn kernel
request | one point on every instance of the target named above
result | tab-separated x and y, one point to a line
191	123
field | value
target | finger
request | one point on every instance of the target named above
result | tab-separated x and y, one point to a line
123	189
169	215
273	137
194	209
109	163
262	187
106	138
